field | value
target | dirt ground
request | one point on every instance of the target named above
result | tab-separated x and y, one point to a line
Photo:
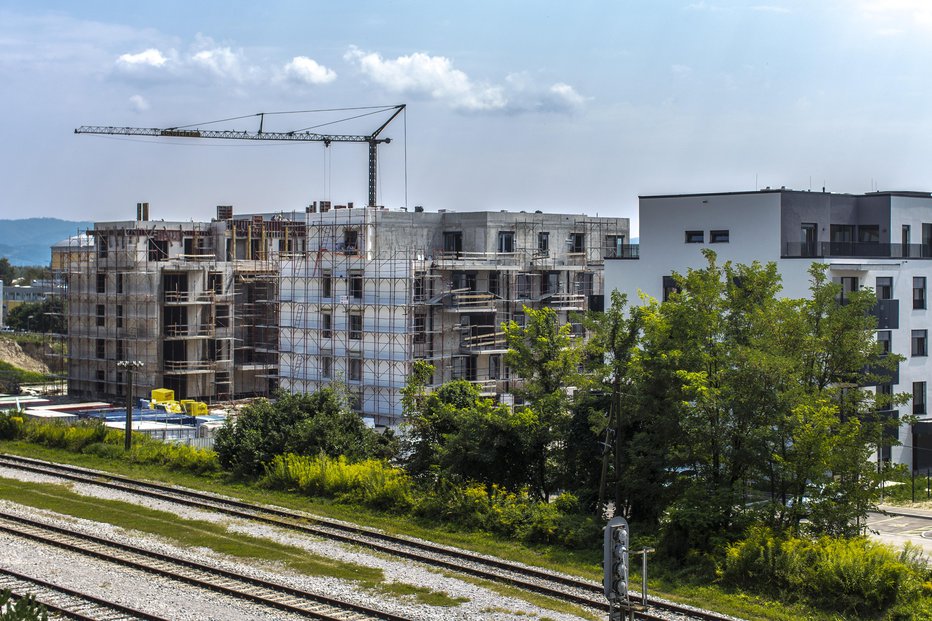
11	352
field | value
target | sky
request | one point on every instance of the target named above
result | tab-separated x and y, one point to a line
575	107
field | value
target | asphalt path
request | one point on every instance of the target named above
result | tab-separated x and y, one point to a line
900	525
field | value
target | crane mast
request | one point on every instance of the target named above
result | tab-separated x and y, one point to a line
373	139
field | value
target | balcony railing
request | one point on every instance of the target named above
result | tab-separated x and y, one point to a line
626	251
865	250
887	313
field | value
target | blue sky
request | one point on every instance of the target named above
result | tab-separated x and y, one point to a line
576	107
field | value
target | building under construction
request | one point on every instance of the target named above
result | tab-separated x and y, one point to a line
240	305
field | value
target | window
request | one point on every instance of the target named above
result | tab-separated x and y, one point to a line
355	369
158	250
119	316
121	350
326	285
884	337
669	287
101	283
326	365
103	246
614	246
355	285
453	241
350	241
355	326
495	366
842	233
101	378
884	288
849	284
808	238
695	237
919	397
582	283
904	239
326	325
869	234
718	237
420	286
919	291
549	282
543	242
119	282
420	327
506	241
101	349
577	242
101	318
920	343
494	283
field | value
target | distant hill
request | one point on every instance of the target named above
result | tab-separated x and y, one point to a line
27	241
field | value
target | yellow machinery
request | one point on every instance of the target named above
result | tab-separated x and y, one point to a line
164	399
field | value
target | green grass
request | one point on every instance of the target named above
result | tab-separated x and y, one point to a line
536	599
585	564
203	534
21	376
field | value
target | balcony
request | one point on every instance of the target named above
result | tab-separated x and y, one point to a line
887	313
183	331
189	297
626	251
474	342
466	301
860	250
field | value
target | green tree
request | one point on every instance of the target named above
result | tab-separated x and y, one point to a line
7	271
47	316
23	609
454	435
545	356
304	424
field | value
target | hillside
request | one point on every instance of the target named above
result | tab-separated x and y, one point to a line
27	241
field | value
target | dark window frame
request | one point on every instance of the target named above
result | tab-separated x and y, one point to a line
695	237
719	236
919	343
919	292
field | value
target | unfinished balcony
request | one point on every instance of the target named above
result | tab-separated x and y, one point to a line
467	301
183	331
474	341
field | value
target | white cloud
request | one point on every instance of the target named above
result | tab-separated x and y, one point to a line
148	58
433	76
436	77
139	103
897	13
309	71
221	61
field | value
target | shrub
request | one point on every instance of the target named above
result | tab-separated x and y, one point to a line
853	576
370	482
11	426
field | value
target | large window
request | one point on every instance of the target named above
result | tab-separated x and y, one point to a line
101	283
919	397
506	241
350	241
614	246
718	236
355	370
920	346
326	324
453	241
543	242
669	287
849	284
326	285
919	291
326	365
355	285
884	288
884	337
577	242
355	326
101	317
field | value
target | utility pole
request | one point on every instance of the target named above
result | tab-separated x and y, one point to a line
129	366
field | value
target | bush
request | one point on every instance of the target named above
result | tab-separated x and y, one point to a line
370	482
852	576
11	426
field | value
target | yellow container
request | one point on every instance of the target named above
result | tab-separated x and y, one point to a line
163	394
186	404
197	408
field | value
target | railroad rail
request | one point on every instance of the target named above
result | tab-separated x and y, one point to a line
565	588
69	603
230	583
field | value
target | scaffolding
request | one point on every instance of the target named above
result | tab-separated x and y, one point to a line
240	306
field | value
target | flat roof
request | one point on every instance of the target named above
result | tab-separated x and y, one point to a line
909	193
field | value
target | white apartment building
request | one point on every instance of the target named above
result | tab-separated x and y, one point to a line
881	240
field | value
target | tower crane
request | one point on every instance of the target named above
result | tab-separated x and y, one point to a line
373	139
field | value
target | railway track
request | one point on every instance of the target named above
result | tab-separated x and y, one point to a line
69	603
566	588
226	582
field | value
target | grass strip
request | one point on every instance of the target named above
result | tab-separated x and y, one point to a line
535	599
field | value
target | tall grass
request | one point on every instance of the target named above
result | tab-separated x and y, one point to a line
856	577
93	437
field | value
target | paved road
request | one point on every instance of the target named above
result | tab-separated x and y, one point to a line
902	525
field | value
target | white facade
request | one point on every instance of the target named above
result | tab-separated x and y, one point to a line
862	238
